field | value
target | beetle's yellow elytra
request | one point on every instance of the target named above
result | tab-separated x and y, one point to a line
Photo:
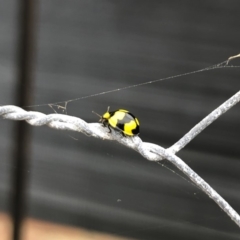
121	120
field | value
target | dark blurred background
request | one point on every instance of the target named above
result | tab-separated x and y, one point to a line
88	46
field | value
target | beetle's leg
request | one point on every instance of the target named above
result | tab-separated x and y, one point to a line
104	123
109	129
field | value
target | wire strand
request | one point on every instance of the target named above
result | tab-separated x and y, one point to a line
149	151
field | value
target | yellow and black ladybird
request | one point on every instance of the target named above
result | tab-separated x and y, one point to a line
121	120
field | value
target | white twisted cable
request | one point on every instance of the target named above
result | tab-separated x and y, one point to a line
150	151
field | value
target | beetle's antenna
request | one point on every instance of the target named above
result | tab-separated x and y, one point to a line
97	114
108	108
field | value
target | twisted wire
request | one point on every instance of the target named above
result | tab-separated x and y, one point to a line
150	151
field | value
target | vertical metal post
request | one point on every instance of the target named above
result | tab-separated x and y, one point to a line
24	91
